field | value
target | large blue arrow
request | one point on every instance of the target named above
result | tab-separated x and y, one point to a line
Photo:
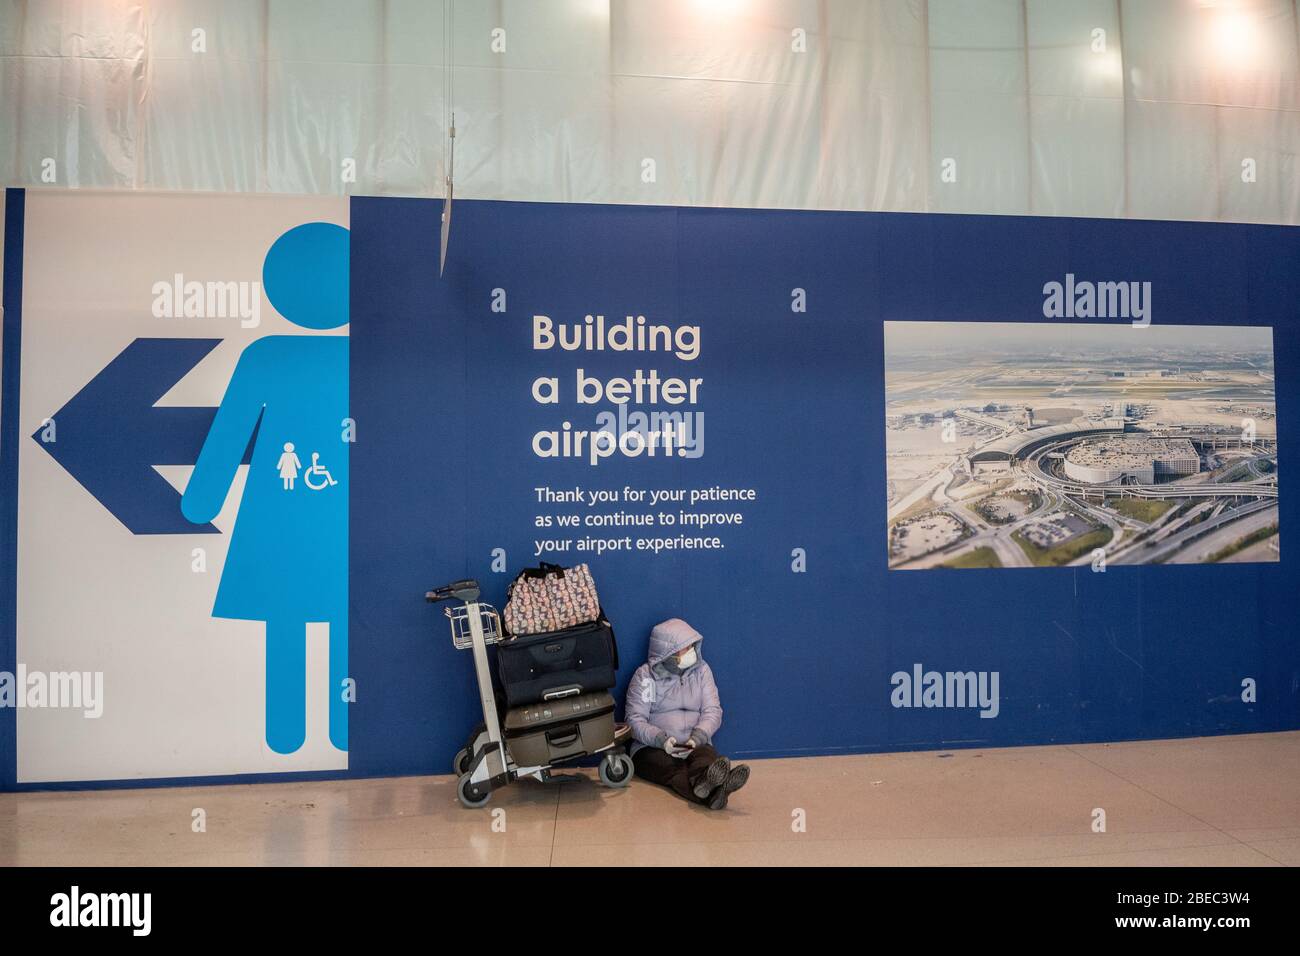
110	434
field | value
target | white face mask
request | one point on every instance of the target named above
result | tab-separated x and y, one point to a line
687	660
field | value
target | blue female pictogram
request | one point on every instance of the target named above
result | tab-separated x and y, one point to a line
287	563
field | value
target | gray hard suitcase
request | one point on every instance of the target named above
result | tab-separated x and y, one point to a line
539	735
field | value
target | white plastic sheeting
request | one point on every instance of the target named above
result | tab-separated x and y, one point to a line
1176	109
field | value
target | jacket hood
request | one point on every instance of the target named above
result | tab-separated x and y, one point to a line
669	637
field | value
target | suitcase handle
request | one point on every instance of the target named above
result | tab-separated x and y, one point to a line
559	692
562	736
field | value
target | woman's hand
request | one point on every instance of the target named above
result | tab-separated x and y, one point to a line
670	744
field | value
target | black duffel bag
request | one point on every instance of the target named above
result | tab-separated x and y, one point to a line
557	664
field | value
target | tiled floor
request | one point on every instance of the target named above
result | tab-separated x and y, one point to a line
1205	801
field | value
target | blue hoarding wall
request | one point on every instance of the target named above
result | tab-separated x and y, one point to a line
803	622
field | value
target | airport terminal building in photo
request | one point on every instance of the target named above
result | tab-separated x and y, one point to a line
1130	459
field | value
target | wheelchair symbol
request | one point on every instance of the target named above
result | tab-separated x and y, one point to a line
318	471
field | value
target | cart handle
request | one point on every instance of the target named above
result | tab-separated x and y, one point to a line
466	590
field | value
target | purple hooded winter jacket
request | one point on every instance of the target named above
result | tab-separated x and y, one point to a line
662	704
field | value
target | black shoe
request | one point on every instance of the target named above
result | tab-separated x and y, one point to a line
736	778
712	778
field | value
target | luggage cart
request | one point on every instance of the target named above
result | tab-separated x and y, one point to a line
485	762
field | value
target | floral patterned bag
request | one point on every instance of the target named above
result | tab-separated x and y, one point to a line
550	598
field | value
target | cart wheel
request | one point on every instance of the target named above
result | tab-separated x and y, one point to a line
471	744
461	762
616	770
465	756
470	795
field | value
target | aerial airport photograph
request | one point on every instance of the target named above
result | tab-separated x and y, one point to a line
1022	445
